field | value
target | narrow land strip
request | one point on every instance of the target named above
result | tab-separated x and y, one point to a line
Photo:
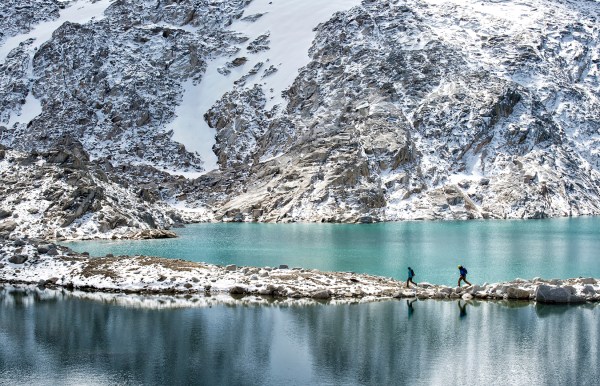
31	261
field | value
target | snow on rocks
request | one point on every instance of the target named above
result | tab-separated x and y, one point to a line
28	261
62	194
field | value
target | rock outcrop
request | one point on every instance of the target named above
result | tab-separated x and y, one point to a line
60	194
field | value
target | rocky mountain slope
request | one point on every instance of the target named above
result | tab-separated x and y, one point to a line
405	110
431	110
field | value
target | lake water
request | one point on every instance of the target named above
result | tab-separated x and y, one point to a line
491	250
61	339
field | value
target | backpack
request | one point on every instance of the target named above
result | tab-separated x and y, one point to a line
412	273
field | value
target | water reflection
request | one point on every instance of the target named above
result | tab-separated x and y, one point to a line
411	309
61	339
462	309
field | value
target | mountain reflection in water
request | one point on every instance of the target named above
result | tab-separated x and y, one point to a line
59	338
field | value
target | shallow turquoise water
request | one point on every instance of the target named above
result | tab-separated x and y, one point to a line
64	340
491	250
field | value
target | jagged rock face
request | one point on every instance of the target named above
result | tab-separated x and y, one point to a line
237	118
18	18
114	83
397	118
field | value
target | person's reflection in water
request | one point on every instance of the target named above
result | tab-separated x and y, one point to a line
409	303
462	310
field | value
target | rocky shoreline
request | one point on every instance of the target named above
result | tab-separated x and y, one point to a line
47	265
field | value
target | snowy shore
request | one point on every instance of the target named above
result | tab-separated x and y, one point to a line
47	265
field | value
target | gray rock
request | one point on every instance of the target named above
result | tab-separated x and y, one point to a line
587	280
321	294
8	226
238	290
588	290
19	243
18	259
283	266
549	294
4	214
231	267
52	252
44	248
517	293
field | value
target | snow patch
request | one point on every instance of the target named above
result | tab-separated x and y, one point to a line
289	25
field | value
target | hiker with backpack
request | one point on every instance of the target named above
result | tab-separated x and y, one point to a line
411	274
463	275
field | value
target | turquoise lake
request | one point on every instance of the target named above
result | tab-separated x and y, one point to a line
492	251
64	340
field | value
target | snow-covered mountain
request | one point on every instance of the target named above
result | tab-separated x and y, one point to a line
283	110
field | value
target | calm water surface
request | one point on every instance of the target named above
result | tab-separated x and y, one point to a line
491	250
66	340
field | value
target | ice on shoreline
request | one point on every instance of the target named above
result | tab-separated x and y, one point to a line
54	266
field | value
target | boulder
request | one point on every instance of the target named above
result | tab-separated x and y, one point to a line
19	243
4	214
44	248
474	289
238	290
283	266
231	267
8	226
18	259
588	290
550	294
321	294
517	293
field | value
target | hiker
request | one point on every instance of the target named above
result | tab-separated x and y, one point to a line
463	275
411	274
